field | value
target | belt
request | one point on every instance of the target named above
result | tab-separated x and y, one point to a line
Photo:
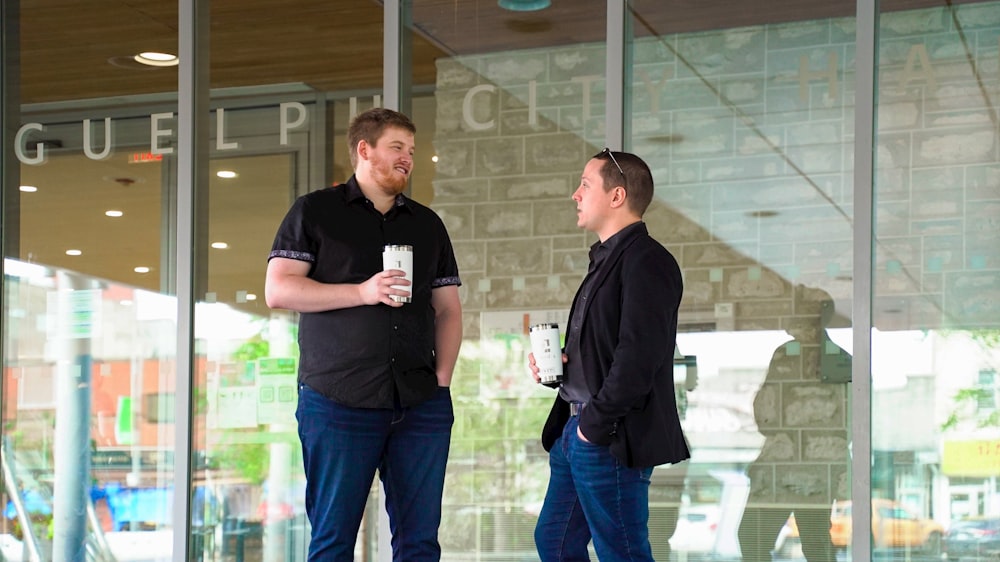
575	408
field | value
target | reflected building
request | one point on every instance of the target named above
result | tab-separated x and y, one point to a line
139	203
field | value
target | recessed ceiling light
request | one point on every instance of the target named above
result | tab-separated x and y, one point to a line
113	213
73	252
28	188
153	58
226	174
220	245
434	158
251	297
141	269
524	5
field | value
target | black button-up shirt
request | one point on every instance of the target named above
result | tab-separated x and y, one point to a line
366	356
574	387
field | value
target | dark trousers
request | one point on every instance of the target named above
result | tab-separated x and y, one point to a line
591	495
341	449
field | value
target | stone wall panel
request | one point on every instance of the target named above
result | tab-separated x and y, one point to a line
502	220
524	256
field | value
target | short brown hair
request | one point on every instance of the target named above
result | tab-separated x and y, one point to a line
634	176
369	126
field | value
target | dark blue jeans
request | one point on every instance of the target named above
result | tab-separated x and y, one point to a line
592	495
341	449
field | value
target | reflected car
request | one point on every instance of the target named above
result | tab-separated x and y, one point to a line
893	526
973	539
696	529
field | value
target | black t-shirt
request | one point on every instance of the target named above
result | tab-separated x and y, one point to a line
360	356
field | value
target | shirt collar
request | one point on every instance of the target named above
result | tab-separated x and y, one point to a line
603	248
354	194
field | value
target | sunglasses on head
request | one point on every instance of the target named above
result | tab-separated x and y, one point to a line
612	155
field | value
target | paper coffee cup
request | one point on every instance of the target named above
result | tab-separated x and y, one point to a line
546	347
399	257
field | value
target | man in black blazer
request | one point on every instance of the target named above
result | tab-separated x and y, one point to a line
615	416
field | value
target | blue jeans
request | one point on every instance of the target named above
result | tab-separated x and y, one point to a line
341	449
592	495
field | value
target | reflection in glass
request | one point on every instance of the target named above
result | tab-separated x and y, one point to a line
119	477
935	343
801	410
746	119
89	338
747	115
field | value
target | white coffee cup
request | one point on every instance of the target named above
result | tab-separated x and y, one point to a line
547	350
399	257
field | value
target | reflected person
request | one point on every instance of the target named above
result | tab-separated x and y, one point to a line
373	372
801	410
667	485
614	417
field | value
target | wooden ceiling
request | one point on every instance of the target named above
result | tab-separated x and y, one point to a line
73	50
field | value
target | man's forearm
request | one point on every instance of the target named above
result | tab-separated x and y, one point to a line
447	341
301	294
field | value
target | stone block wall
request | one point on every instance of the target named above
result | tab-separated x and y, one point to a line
750	134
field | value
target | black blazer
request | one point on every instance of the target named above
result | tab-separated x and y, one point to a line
627	345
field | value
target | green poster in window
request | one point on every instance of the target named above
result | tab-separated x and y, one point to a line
276	392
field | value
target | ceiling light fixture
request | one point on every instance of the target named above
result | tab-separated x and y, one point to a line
220	245
524	5
73	252
226	174
28	188
153	58
113	213
141	269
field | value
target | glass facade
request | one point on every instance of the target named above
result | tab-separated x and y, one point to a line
750	132
934	291
511	129
752	119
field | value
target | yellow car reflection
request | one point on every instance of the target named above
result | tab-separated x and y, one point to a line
893	526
